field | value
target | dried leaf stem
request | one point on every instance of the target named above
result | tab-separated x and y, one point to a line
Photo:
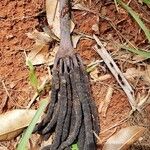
101	50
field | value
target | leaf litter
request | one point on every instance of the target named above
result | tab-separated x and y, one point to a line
116	72
13	122
39	53
124	138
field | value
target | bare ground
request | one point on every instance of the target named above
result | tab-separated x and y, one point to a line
18	17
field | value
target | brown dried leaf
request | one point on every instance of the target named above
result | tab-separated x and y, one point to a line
48	142
39	37
124	138
13	122
79	6
131	73
95	28
34	142
75	40
102	51
39	53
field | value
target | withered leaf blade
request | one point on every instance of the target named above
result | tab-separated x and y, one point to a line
39	53
13	122
124	138
39	37
75	40
79	6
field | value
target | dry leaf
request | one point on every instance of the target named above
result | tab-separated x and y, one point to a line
131	73
3	148
95	28
94	74
48	142
124	138
79	6
75	40
13	122
102	51
53	16
39	53
34	142
39	37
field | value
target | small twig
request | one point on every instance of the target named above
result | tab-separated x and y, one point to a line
55	10
107	100
116	5
129	2
116	72
4	86
96	135
3	102
35	96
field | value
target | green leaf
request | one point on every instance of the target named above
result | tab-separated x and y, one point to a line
140	52
24	140
91	68
137	18
32	76
146	2
74	147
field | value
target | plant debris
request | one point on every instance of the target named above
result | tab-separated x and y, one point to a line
116	72
12	122
124	138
